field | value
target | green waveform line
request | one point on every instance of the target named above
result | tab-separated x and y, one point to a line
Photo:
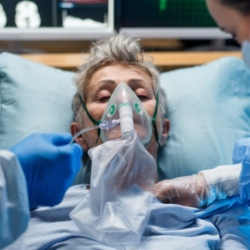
162	5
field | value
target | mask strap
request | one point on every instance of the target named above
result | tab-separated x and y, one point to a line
154	121
91	118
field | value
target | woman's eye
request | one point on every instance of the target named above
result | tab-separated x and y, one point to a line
141	93
142	97
103	95
103	98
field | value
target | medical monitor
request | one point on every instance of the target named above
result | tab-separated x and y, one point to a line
83	13
166	19
56	19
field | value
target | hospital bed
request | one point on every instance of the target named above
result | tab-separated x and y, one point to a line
208	107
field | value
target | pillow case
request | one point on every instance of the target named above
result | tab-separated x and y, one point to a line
33	98
208	109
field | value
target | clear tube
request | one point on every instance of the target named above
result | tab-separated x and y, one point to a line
109	124
103	125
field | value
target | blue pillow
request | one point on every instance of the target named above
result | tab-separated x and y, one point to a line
33	98
208	109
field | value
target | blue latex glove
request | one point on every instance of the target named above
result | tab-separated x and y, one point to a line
239	150
50	165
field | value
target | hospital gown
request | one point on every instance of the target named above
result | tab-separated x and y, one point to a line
223	225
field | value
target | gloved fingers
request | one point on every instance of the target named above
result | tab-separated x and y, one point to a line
77	150
50	165
68	164
173	195
189	191
72	152
60	139
165	191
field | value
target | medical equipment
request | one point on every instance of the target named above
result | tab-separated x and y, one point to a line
124	108
116	209
103	125
3	17
27	15
125	105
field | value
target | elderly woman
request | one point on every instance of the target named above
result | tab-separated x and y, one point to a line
107	67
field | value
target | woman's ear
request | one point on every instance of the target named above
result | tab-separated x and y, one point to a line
165	131
75	128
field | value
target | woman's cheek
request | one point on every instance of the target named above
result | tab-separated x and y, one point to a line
97	110
150	107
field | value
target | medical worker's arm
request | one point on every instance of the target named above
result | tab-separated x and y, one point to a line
227	181
202	189
50	164
14	208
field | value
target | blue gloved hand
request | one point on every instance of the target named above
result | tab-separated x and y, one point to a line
50	165
239	150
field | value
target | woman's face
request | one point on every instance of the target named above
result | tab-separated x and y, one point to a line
99	90
230	20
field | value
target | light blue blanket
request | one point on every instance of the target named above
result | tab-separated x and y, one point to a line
223	225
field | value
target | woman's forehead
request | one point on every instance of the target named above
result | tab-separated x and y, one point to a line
120	73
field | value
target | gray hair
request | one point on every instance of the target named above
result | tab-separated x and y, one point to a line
121	50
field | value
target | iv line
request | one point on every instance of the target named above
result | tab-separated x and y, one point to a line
103	125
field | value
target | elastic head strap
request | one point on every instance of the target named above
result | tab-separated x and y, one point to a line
85	108
154	120
91	118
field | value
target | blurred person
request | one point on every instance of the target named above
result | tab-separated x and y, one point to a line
233	17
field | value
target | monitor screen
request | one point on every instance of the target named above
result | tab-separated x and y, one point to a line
22	14
83	13
56	19
40	13
166	19
164	13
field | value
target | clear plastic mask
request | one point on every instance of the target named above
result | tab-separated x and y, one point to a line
127	107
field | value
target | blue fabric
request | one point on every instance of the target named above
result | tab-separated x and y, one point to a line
223	225
33	98
240	148
244	181
209	109
241	154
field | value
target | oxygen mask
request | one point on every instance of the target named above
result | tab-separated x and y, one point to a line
125	106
